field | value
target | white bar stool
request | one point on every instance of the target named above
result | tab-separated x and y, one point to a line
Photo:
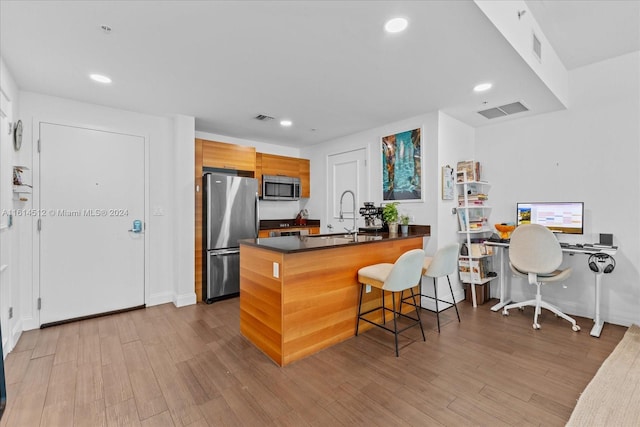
404	274
443	263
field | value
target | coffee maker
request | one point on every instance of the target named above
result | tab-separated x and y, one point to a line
372	216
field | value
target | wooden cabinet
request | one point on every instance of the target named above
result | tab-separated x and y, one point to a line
311	230
279	165
271	164
305	178
228	156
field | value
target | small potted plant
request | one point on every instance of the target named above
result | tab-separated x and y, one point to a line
404	224
390	216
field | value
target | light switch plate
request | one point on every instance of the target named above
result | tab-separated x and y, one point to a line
276	270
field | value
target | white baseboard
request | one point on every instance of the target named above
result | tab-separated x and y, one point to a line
16	333
185	299
158	299
29	324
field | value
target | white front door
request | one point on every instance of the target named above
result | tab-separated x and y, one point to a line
91	191
347	171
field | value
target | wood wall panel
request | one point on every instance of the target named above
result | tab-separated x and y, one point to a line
319	295
261	300
258	174
222	156
198	252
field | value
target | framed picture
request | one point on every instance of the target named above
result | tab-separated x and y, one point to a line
402	166
447	183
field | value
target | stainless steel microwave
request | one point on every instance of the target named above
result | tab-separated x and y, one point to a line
276	187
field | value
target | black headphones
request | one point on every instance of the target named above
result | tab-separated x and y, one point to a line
602	263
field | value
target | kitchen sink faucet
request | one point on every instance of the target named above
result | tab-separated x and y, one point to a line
354	230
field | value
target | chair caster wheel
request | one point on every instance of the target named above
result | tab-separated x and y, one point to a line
536	326
575	328
505	313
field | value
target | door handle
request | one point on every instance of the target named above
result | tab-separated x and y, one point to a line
137	227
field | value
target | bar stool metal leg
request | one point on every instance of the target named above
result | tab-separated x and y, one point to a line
395	323
413	297
453	299
359	308
435	288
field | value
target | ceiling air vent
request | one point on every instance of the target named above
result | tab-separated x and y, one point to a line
503	110
263	118
537	47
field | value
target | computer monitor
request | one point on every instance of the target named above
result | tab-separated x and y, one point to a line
559	217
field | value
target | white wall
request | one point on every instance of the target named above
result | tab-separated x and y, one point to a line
164	240
424	212
456	142
10	292
519	31
445	141
588	153
184	207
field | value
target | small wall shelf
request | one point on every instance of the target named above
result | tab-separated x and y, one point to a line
22	187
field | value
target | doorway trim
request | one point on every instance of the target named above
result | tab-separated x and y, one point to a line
32	320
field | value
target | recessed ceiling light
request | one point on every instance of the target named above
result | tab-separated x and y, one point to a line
396	25
100	78
286	123
482	87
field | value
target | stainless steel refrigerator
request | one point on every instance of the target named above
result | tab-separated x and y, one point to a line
231	214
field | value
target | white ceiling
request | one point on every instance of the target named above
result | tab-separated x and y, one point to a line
328	66
583	32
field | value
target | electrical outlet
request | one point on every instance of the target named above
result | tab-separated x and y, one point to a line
367	289
10	312
276	270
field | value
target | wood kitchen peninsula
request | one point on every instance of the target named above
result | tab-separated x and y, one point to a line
299	294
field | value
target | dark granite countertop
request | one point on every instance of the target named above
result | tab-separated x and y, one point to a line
292	244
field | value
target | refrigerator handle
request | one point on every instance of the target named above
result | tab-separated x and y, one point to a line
223	252
257	216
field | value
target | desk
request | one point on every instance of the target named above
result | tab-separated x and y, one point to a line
572	249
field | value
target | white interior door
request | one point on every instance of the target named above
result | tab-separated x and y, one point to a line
91	190
347	171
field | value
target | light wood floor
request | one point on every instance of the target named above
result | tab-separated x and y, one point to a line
190	366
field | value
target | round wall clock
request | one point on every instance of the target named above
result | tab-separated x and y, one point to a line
17	136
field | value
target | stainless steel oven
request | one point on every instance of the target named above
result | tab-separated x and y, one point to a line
280	233
276	187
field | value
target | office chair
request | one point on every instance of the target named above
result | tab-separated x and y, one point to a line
443	263
404	274
535	254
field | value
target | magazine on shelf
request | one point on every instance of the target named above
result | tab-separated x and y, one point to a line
476	219
472	168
